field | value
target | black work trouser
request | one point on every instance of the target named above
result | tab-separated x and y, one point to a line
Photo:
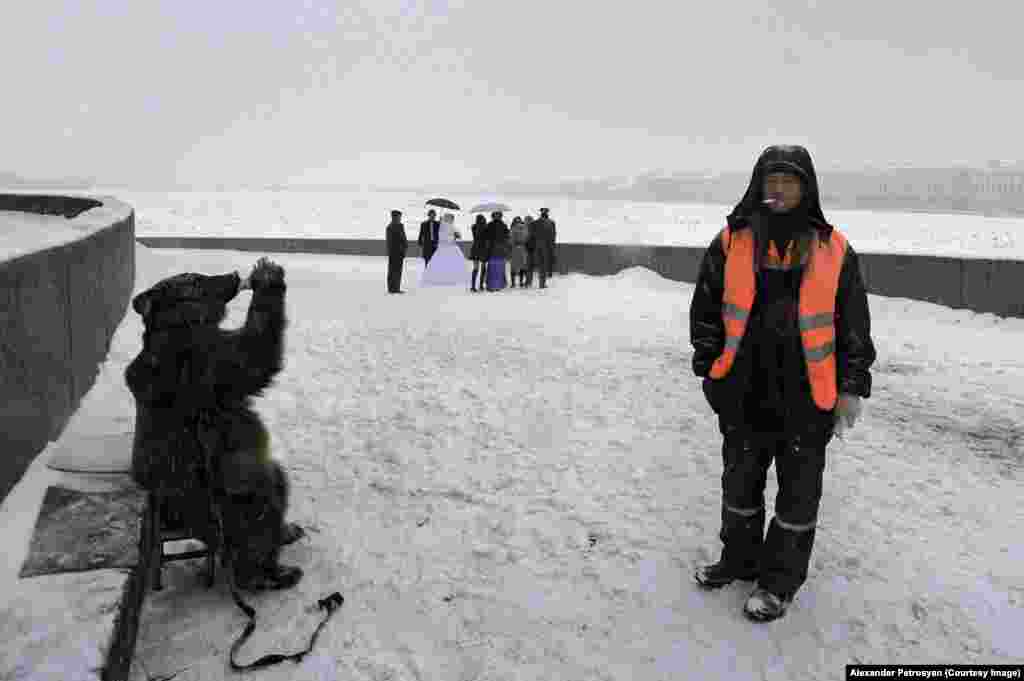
780	558
395	264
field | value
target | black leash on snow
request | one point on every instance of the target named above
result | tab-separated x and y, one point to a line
330	604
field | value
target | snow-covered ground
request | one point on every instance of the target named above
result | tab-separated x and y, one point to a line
519	485
364	215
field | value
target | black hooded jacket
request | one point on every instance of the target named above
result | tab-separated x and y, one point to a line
769	373
497	236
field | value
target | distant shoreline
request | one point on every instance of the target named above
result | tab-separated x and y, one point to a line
872	206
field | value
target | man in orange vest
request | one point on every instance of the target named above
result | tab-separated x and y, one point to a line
781	332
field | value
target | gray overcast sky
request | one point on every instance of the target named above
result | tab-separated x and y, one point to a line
414	92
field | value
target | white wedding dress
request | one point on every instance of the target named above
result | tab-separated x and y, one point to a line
448	265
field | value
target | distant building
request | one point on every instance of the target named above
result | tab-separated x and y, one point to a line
999	186
996	188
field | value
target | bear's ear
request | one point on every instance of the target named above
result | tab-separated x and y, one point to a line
143	304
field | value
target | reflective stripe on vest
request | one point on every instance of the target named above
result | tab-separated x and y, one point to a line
816	305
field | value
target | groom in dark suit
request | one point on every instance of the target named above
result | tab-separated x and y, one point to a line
429	235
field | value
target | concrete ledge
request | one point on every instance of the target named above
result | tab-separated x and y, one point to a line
59	308
61	627
992	286
977	284
125	631
929	278
68	206
296	245
77	625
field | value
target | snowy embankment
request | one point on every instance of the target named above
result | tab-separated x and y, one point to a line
519	485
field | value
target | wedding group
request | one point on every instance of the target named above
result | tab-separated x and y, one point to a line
501	255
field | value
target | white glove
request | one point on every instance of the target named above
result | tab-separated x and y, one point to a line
848	410
246	284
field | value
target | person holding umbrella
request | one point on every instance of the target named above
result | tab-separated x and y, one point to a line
483	240
448	265
428	237
497	252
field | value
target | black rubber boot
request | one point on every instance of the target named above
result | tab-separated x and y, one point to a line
720	574
742	536
765	606
785	559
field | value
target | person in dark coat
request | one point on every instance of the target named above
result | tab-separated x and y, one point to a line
781	331
397	244
497	252
478	253
517	258
554	237
531	246
427	239
543	237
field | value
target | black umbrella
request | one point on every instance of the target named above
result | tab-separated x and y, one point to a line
443	203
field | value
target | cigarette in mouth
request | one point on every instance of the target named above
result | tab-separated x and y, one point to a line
768	201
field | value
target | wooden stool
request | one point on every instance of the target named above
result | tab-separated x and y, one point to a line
154	536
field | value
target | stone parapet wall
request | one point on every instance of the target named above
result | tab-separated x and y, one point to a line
978	284
59	308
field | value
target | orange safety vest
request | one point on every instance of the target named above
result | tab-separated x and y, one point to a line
817	303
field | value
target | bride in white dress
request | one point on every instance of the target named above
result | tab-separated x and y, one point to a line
448	266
